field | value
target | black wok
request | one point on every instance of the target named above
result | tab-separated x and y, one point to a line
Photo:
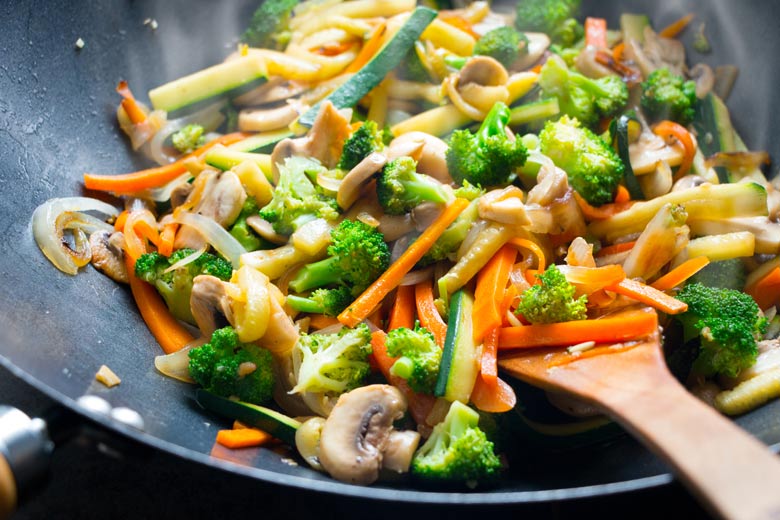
57	120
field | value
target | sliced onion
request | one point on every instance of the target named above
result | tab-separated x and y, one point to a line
186	260
209	118
417	276
163	193
214	234
176	365
50	238
328	182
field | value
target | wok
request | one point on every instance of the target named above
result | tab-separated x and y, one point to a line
57	120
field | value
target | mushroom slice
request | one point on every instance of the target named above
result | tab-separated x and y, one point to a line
431	154
504	206
538	43
400	449
351	184
108	256
307	441
356	433
210	303
269	118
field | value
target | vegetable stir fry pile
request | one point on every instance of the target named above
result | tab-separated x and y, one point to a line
368	203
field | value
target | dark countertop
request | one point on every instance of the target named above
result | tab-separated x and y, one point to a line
86	481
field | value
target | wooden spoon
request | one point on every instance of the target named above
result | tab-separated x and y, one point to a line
729	471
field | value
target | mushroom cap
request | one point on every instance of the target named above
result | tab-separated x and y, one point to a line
356	433
107	254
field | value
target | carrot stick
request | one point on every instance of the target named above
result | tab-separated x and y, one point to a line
134	112
167	237
535	249
648	295
389	280
617	52
667	129
596	32
370	48
680	273
402	313
766	290
596	351
616	248
489	364
119	224
489	292
169	333
622	194
152	177
428	313
500	399
320	321
602	212
148	232
619	327
675	28
243	438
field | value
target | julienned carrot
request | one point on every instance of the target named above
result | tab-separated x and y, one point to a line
152	177
615	248
680	273
601	212
243	438
370	48
489	291
596	351
389	280
667	129
145	230
134	112
617	52
629	324
167	237
119	223
427	312
675	28
766	291
498	399
320	321
596	32
402	312
533	247
488	367
648	295
622	194
420	405
169	333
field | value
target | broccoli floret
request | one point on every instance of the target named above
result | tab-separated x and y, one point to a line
227	367
446	246
489	157
333	363
552	300
579	96
296	200
267	21
329	302
357	256
418	356
728	323
724	274
457	450
359	145
668	96
557	18
175	286
504	44
468	191
593	168
400	188
243	233
188	138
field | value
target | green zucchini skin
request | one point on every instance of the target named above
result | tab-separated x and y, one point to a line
712	123
458	369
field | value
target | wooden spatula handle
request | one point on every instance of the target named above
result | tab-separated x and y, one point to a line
729	470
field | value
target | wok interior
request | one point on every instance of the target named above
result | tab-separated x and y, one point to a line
57	113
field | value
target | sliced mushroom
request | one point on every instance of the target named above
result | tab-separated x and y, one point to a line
688	181
649	150
307	441
210	304
704	77
356	433
273	90
538	43
504	206
353	182
270	118
180	194
588	65
400	449
481	83
432	154
107	254
551	183
265	229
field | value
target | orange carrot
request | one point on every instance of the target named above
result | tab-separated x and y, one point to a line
530	276
648	295
626	325
533	247
402	313
500	399
389	280
615	249
370	48
596	32
588	280
766	290
134	112
668	129
617	52
152	177
601	212
145	230
243	438
675	28
488	370
595	351
489	292
320	321
680	273
428	313
169	333
622	194
119	223
167	237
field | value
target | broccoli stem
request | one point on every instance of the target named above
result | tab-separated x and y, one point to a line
495	122
299	303
403	367
318	274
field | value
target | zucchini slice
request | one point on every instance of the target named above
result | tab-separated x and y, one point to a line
716	134
261	143
459	369
226	159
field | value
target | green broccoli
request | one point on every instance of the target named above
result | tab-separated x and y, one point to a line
357	256
400	188
552	300
245	234
359	145
227	367
557	18
593	168
668	96
267	22
504	44
728	323
333	363
446	246
723	274
457	450
175	286
188	138
296	200
579	96
489	157
418	356
329	302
